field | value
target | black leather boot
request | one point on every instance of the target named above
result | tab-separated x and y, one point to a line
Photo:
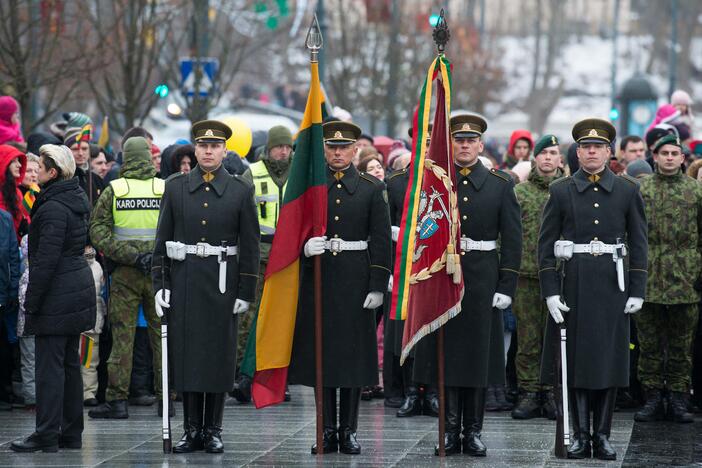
192	423
528	406
473	414
115	409
331	441
653	409
430	406
452	436
34	443
412	405
242	389
603	410
580	447
548	409
678	408
214	412
491	403
349	400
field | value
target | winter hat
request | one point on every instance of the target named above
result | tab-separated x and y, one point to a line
522	169
666	140
71	136
658	132
638	168
76	119
155	150
8	107
680	97
279	135
136	148
63	158
544	142
38	139
396	153
696	148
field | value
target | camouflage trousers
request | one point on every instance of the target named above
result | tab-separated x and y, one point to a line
130	287
666	334
247	319
530	310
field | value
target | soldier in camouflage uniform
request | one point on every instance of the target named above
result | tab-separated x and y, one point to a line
123	227
668	320
529	308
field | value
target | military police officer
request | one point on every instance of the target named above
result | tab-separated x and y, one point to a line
668	321
528	306
474	346
591	221
355	271
205	271
123	227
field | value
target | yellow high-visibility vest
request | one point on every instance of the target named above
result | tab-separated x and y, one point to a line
268	198
135	205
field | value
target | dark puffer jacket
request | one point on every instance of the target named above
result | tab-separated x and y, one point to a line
61	293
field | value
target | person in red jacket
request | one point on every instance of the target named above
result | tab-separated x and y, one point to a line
520	145
13	165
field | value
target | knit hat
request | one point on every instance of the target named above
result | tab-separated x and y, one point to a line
544	142
62	156
71	136
38	139
8	107
658	132
396	152
136	148
279	135
155	150
638	169
696	148
76	119
680	97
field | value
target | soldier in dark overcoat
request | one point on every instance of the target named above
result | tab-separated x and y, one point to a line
208	244
355	272
598	220
474	345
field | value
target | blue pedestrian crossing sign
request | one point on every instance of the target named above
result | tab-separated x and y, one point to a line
205	69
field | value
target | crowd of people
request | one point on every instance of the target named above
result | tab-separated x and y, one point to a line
78	232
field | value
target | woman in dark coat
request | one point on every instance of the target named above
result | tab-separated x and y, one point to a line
60	302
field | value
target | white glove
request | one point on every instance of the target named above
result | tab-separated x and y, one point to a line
633	305
395	230
162	300
390	284
501	301
374	299
555	306
241	306
315	246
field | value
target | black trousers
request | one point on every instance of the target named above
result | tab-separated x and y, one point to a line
59	387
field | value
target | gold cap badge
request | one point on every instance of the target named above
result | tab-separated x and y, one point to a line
209	133
338	134
593	133
466	126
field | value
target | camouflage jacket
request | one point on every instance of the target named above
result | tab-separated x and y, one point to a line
674	213
123	252
532	196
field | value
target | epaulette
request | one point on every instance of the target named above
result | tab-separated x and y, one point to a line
246	183
174	176
502	175
397	173
559	180
369	178
628	178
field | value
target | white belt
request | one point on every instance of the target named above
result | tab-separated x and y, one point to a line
468	244
178	251
617	251
339	245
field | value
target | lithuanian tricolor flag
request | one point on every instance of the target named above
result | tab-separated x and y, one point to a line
302	215
86	133
30	197
86	350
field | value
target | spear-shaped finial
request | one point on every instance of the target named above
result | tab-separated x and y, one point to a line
314	40
441	33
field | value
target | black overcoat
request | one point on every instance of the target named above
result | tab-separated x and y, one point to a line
474	343
597	327
397	187
202	331
357	209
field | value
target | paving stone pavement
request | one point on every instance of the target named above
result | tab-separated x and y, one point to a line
282	436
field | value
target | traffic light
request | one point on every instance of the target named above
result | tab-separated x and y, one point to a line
614	114
433	20
161	90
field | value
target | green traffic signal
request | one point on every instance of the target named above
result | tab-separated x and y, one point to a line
161	90
433	20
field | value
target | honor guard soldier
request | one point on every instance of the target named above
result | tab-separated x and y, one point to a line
591	222
474	344
123	228
528	307
205	268
269	175
355	272
667	323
